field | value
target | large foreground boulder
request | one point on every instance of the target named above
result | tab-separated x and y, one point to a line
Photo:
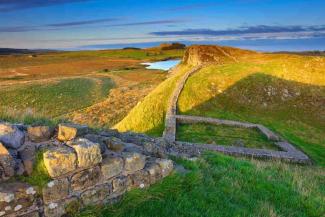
11	136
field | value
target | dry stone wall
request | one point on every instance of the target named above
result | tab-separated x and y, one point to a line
200	56
86	168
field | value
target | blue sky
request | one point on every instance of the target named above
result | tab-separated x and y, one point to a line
93	24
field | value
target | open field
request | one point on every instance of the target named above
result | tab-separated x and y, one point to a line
97	88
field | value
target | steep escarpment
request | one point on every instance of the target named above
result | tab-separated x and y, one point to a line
202	54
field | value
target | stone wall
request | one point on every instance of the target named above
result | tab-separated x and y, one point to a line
86	168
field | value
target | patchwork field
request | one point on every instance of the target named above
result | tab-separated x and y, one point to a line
97	88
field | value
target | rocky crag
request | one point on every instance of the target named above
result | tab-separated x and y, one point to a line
86	167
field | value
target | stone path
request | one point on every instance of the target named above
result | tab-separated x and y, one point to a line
288	151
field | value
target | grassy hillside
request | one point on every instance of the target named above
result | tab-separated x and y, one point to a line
284	92
217	185
52	99
78	86
148	116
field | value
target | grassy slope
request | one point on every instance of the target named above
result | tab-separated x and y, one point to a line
284	92
218	185
148	115
286	95
52	99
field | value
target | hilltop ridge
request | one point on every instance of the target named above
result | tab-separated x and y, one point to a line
201	54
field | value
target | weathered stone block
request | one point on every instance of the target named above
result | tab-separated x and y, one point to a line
60	161
166	166
16	196
11	136
153	149
96	196
111	166
27	155
119	186
109	133
39	133
115	144
133	162
140	179
7	163
88	153
58	209
154	171
85	179
68	132
101	140
56	190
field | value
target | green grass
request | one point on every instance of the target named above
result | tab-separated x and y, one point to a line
39	176
52	99
223	135
283	92
151	111
296	116
218	185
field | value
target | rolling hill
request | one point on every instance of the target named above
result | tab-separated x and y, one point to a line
281	91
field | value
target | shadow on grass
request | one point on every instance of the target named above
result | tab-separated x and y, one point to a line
294	110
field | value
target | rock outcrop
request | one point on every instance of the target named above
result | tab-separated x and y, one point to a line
196	55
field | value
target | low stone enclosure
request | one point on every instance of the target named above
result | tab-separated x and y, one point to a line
86	167
288	151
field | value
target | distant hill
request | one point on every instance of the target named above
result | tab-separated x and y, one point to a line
14	51
168	46
304	53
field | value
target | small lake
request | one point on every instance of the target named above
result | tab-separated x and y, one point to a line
162	65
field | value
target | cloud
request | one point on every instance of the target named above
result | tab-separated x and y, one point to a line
13	5
59	26
54	26
154	22
79	23
18	29
242	30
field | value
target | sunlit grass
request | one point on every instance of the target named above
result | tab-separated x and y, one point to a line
283	92
217	185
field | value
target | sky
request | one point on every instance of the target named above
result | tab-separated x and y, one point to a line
269	25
